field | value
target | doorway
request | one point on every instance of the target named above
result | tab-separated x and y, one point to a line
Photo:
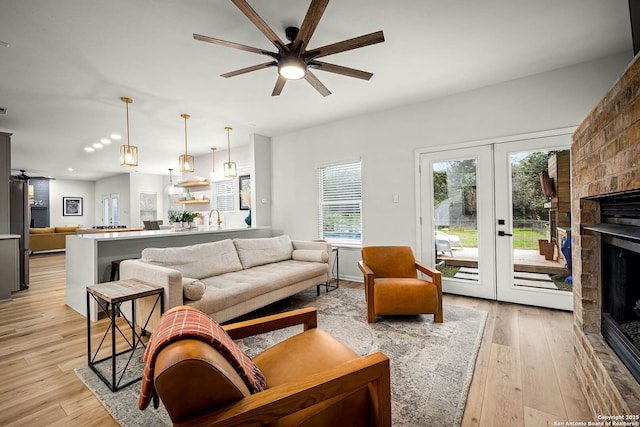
485	220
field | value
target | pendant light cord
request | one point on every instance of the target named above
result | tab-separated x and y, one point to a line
185	135
127	124
229	143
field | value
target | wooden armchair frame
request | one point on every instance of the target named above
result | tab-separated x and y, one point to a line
369	283
370	371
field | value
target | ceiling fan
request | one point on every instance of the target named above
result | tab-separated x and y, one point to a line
293	59
22	176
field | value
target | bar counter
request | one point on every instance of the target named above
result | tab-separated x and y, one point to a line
89	256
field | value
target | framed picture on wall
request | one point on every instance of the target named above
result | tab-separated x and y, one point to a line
72	206
244	182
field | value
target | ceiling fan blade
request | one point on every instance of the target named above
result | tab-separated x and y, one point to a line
317	84
249	69
232	44
345	45
279	85
339	69
309	24
259	22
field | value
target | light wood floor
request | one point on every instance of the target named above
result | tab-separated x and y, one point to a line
524	374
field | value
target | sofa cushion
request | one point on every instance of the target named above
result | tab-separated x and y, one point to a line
253	252
310	255
192	289
197	261
43	230
67	229
230	289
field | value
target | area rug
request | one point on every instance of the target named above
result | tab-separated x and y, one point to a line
431	363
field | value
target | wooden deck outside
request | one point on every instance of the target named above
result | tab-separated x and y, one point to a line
524	260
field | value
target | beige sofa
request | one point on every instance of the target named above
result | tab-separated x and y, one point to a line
50	238
229	278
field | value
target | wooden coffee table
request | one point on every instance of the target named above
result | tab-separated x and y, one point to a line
110	296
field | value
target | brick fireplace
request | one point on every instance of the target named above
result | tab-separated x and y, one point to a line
605	160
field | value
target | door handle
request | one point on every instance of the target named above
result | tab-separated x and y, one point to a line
502	233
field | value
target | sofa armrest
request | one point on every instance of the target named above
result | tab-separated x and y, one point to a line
168	278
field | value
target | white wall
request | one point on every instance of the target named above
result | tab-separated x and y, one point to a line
59	188
119	184
386	142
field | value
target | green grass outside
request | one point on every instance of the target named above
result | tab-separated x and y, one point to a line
523	238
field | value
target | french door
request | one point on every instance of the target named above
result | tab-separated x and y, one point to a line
482	213
110	209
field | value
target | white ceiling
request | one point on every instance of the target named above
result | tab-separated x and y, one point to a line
68	62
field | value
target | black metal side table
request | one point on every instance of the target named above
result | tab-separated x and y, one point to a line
335	273
110	296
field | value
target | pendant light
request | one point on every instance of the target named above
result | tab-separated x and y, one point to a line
213	163
128	153
185	160
229	167
170	188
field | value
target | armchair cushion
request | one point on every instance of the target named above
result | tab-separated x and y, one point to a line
405	296
185	322
390	261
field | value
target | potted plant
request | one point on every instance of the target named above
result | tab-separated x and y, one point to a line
182	217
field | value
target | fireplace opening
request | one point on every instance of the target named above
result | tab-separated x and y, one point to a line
621	302
620	255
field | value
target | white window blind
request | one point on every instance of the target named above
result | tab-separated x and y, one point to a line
340	204
223	195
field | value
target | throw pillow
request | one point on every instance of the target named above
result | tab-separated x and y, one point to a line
192	289
312	255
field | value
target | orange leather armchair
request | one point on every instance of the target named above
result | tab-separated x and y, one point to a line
392	286
312	380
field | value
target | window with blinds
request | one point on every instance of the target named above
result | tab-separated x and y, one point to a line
340	204
223	195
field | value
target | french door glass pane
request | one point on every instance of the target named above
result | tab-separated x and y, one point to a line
540	203
455	219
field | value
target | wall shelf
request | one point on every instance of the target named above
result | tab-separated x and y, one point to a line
188	184
186	202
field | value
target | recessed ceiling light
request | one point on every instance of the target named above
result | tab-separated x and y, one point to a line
97	145
89	149
116	136
70	169
105	141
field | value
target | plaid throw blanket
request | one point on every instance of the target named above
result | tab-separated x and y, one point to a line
189	323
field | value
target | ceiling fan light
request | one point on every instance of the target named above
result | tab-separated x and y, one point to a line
292	68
